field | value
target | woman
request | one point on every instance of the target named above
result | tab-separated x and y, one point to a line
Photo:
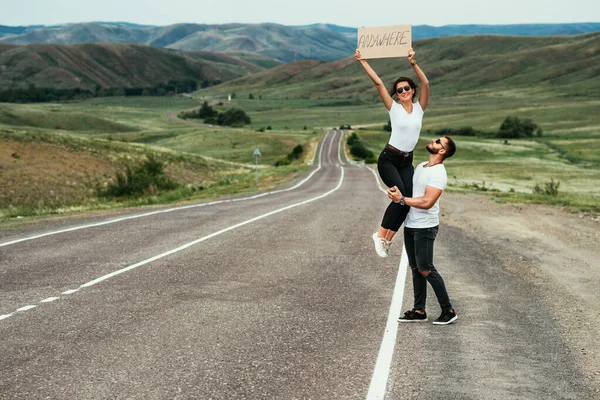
395	161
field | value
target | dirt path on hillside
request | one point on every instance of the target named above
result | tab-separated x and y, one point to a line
554	250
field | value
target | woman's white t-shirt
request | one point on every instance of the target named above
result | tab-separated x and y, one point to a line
406	127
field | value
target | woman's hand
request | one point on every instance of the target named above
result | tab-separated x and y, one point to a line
411	56
357	55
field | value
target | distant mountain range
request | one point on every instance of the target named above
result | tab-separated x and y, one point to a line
284	43
117	65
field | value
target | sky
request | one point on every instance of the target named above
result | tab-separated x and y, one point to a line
351	13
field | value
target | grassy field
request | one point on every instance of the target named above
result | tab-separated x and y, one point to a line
567	151
55	157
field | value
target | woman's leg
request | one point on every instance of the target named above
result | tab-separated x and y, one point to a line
390	175
395	214
406	175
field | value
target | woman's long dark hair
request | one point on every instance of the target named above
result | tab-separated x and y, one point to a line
411	83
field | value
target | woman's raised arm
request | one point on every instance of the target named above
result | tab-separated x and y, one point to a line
385	96
424	96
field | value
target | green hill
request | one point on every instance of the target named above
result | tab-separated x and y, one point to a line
112	65
454	65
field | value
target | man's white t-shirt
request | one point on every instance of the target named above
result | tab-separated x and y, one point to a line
436	177
406	127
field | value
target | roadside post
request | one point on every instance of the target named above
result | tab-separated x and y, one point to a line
256	155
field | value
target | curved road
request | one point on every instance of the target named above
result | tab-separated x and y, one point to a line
274	296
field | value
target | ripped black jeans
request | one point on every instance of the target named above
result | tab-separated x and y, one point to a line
396	169
419	249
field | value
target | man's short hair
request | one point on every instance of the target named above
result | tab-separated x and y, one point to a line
450	147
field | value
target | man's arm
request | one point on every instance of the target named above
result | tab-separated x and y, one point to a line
424	202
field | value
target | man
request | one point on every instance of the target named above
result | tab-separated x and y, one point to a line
420	230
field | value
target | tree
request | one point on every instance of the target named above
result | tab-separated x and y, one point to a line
206	111
515	128
233	117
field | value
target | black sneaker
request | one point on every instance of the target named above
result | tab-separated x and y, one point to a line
413	316
446	318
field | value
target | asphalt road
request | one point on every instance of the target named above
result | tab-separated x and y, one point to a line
279	296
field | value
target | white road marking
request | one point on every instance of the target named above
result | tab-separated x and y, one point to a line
192	243
381	372
5	316
49	299
112	221
340	148
329	150
25	308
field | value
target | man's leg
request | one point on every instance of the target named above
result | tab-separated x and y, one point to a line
424	241
419	282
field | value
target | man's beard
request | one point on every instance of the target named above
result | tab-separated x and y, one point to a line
430	150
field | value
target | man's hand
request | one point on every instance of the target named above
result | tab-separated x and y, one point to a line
357	55
394	194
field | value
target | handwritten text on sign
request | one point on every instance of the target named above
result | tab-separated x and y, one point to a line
386	41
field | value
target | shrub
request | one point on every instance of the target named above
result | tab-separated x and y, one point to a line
549	189
147	178
296	152
293	155
514	128
353	138
233	117
464	131
358	149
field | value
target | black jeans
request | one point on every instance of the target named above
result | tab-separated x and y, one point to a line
419	249
396	170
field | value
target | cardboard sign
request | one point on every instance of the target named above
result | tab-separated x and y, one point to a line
385	41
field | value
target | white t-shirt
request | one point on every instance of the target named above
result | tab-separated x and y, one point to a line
436	177
406	127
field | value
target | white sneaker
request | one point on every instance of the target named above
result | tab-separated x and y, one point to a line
388	243
380	246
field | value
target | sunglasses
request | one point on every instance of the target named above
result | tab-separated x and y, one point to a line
403	88
439	141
